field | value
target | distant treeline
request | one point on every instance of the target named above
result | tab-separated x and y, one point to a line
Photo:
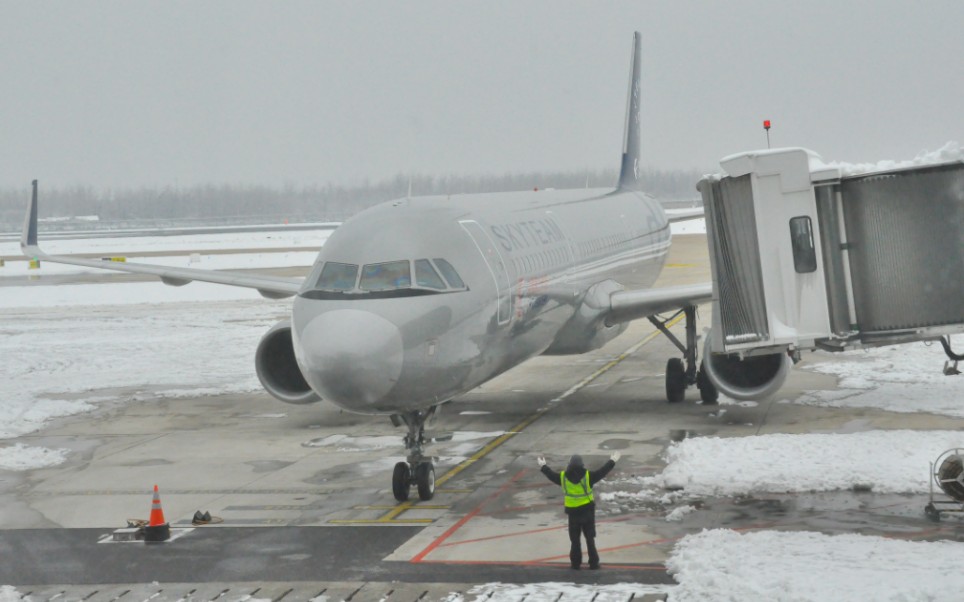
253	204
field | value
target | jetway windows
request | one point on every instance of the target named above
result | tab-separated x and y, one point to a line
386	276
801	239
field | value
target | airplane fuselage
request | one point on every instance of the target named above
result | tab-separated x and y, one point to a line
413	302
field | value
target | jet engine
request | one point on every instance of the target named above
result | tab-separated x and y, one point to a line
748	378
278	369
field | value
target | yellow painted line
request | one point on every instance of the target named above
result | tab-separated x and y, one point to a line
390	516
420	507
380	521
681	265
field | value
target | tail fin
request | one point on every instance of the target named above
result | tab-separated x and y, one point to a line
629	171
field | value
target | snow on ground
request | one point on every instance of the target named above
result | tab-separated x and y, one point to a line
552	591
9	593
63	361
120	293
690	226
899	378
886	461
721	564
21	457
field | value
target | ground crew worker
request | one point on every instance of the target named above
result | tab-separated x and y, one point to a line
576	482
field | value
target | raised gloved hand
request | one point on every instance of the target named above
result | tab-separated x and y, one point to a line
541	460
615	456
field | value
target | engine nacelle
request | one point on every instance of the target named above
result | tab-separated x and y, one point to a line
750	378
277	368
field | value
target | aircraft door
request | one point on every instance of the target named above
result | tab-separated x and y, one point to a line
496	263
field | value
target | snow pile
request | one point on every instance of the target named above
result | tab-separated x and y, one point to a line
678	513
885	461
63	362
804	566
9	593
21	457
950	152
552	591
901	378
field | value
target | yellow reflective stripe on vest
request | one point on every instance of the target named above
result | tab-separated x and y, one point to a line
577	494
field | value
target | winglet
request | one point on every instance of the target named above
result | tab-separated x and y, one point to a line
29	236
629	171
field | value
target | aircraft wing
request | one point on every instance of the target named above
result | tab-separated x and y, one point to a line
684	214
631	305
269	286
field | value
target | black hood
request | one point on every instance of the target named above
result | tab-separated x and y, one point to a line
576	470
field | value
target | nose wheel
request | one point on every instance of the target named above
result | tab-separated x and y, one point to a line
418	470
423	477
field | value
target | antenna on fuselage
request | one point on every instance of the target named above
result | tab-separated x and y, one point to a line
629	170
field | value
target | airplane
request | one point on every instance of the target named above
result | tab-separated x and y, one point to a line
416	301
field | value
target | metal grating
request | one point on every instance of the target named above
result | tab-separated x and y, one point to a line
736	260
906	241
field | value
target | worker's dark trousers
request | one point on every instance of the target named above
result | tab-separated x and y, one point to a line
582	524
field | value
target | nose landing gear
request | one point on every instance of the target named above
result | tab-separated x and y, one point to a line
418	469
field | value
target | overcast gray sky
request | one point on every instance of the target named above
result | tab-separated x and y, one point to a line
157	93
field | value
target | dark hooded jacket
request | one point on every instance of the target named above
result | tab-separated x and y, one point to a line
574	474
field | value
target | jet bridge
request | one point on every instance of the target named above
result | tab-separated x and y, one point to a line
806	255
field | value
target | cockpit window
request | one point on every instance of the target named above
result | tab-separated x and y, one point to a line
425	275
386	276
451	276
337	277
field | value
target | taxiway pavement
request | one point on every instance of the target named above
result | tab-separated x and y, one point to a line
304	492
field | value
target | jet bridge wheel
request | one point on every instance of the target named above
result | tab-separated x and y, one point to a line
402	482
425	480
675	380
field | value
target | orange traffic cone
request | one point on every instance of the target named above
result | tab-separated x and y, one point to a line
157	529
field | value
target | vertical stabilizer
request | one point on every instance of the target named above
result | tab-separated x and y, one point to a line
629	171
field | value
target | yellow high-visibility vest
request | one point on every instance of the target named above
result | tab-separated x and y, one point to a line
577	494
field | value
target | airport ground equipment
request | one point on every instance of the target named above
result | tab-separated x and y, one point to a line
948	473
809	256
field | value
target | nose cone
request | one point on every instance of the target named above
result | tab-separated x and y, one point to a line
353	358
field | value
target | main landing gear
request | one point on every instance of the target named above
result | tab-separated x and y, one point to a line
680	375
418	470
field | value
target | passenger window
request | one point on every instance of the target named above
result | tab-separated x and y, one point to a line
449	273
337	277
425	275
801	237
386	276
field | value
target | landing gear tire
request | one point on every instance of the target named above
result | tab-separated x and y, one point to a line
675	380
401	483
425	480
708	392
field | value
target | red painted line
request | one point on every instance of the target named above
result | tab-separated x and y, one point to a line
458	525
437	542
530	531
634	567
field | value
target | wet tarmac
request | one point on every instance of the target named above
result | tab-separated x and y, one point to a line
305	497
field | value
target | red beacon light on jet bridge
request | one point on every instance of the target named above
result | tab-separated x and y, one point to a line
766	124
